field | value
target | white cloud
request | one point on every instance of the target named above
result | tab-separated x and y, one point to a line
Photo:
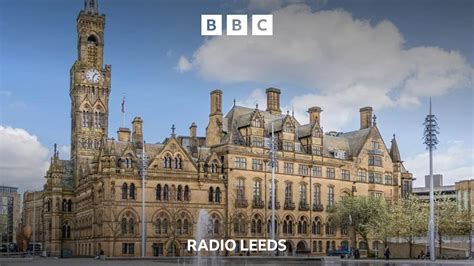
255	97
343	63
65	152
23	159
454	163
183	64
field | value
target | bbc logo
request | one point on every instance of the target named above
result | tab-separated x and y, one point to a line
262	25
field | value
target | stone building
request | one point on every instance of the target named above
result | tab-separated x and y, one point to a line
93	201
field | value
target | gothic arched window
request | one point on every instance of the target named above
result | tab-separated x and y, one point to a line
316	228
218	195
124	191
302	226
158	192
178	162
288	225
132	191
187	193
211	194
179	194
69	205
166	193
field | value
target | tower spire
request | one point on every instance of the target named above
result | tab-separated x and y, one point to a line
91	6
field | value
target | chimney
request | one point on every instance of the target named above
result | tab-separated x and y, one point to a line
123	134
314	115
214	127
216	102
192	134
365	117
273	101
137	134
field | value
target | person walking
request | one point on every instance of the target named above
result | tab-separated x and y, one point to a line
387	253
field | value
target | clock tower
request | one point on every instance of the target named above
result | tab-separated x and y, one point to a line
89	89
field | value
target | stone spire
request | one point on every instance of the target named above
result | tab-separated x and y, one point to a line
394	152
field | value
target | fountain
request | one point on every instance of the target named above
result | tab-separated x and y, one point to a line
202	229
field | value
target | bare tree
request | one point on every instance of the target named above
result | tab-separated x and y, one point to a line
114	224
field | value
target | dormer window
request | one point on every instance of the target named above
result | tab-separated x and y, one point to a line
288	128
257	122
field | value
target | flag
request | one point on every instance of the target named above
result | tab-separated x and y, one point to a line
123	104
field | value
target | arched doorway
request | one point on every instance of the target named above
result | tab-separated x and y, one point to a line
302	248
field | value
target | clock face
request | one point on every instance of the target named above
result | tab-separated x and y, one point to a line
93	75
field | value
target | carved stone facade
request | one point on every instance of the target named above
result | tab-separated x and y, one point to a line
93	201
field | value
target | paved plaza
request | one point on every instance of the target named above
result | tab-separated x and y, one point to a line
220	261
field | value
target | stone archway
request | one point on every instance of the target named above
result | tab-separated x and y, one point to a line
302	247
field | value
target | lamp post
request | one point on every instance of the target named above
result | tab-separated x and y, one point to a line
273	162
143	164
430	137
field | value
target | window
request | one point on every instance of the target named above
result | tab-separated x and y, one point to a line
178	162
287	127
66	230
375	145
287	146
213	168
375	160
288	193
240	162
132	191
211	195
302	226
239	224
317	171
167	161
240	190
330	196
269	226
269	168
330	228
317	195
128	248
361	175
330	172
218	195
256	226
303	169
288	226
316	228
376	194
128	224
257	191
257	164
288	168
157	249
257	141
214	225
158	192
179	194
388	179
345	175
161	226
317	150
302	194
124	191
257	122
166	193
375	177
270	193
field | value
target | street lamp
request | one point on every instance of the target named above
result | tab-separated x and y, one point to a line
431	139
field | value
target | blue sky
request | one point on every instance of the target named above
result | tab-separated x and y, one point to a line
145	40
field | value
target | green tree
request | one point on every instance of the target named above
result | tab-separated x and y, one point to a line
449	219
407	218
361	213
